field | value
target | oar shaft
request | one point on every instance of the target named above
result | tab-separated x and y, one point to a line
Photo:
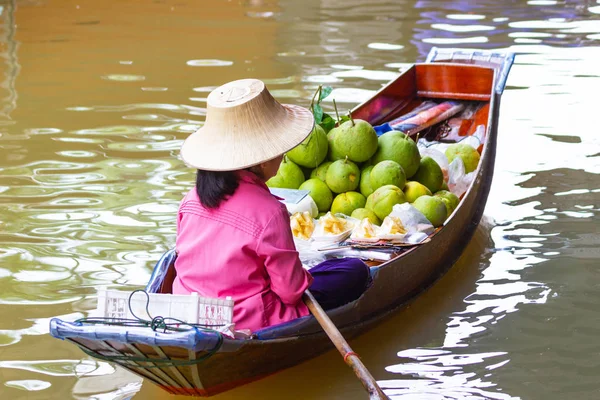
350	357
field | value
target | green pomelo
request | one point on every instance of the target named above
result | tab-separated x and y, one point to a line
384	199
387	172
444	186
466	152
396	146
449	208
332	152
346	203
433	208
289	176
342	176
356	139
321	171
365	181
362	213
312	151
319	192
454	200
429	174
413	190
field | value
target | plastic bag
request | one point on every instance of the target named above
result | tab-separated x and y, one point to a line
308	253
458	180
417	225
439	158
306	204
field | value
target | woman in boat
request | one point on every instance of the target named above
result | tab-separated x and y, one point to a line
233	236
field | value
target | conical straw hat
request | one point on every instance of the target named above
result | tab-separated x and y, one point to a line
245	126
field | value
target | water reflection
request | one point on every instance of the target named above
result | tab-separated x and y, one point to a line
452	22
62	367
209	63
530	228
452	370
31	385
124	78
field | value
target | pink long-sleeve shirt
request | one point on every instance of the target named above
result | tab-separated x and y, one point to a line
243	249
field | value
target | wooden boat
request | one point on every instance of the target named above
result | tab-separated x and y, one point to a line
203	363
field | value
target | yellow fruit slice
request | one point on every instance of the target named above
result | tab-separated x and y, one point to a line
333	225
365	230
302	225
392	226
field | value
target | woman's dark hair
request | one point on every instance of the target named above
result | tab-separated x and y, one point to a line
215	186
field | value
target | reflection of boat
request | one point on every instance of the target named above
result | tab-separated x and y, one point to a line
203	362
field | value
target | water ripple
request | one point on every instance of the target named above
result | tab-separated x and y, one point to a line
124	78
385	46
61	367
209	63
31	385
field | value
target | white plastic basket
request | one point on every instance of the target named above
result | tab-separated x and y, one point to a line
214	313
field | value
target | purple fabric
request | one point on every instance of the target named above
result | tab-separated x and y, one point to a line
339	281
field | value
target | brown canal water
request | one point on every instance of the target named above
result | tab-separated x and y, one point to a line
97	96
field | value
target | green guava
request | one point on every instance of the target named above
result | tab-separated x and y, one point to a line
382	200
429	174
396	146
312	151
466	152
362	213
342	176
451	199
413	190
365	181
356	139
289	175
347	202
321	171
332	152
433	208
319	192
387	172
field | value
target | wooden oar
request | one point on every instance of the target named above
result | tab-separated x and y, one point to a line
350	357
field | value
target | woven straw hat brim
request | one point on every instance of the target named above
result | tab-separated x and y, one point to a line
223	144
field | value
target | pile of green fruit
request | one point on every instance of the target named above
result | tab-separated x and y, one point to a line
348	169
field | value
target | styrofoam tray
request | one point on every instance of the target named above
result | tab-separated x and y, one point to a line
328	239
332	238
116	304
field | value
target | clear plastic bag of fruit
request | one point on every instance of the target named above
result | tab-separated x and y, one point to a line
308	254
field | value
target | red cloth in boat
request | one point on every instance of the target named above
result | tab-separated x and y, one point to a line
243	249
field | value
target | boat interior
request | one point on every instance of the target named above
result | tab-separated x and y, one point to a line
470	85
468	89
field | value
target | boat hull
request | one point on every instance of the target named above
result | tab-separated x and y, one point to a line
395	283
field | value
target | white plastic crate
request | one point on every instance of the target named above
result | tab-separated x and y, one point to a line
189	308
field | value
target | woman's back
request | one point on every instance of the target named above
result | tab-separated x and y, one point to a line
243	249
